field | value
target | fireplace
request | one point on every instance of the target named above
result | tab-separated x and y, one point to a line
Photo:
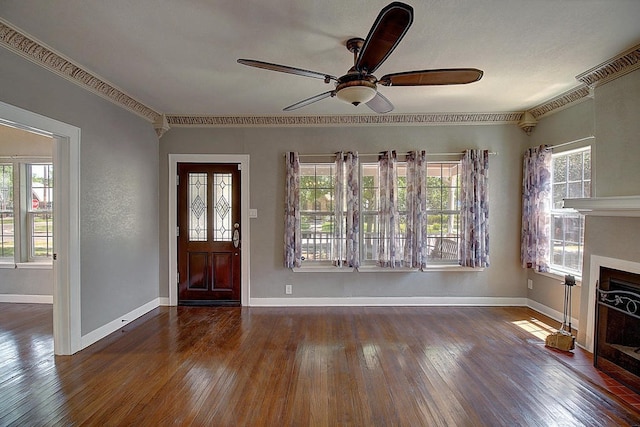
617	334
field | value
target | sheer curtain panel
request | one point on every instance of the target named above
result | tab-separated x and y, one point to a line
292	239
352	175
415	250
536	209
388	211
474	236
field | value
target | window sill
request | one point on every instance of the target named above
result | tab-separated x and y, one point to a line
47	265
8	265
558	276
376	269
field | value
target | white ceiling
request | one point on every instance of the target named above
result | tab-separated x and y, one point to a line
179	57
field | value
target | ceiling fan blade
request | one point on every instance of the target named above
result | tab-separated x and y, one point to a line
287	69
450	76
388	29
380	104
308	101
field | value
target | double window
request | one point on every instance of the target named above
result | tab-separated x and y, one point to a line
407	213
26	211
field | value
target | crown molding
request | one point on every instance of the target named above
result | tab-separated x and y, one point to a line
351	120
615	67
26	46
562	101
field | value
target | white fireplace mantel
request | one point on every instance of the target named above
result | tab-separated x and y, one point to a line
606	206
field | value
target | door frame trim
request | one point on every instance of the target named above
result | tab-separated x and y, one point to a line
67	335
243	161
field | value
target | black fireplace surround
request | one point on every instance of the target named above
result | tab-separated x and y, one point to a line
617	338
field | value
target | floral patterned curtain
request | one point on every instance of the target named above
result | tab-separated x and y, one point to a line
292	240
474	234
388	211
338	241
415	248
346	241
352	175
536	209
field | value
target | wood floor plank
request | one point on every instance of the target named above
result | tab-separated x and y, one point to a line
321	366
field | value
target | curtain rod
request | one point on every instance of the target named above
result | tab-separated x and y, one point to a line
572	142
491	153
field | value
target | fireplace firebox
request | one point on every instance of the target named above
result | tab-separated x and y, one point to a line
617	337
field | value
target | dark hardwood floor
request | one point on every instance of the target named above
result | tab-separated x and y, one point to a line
339	366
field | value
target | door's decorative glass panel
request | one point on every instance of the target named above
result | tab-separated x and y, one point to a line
197	199
222	228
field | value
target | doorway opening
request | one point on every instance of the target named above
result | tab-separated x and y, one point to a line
66	221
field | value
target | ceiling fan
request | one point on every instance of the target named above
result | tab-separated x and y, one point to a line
359	85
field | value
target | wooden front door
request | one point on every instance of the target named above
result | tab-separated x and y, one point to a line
209	233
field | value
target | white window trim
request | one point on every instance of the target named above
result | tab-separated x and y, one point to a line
558	273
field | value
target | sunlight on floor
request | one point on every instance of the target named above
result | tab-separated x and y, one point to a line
535	327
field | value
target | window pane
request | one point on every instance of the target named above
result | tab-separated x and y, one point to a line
587	165
197	199
575	190
559	193
443	211
559	169
317	222
41	235
40	218
369	187
6	211
41	187
575	167
222	202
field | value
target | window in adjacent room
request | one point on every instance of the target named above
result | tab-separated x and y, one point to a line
7	231
26	211
40	211
571	178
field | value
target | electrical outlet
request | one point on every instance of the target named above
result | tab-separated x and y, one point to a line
529	283
288	289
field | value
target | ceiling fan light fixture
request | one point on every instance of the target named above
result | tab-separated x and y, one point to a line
356	92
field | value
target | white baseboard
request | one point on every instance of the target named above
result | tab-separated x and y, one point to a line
97	334
164	301
27	299
550	312
388	301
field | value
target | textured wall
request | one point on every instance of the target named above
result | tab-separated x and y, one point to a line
266	147
119	189
616	174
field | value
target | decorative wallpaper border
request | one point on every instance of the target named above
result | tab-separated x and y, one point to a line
561	101
609	70
330	120
26	46
31	49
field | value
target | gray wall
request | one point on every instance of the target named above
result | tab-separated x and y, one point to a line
570	124
617	126
119	186
266	147
612	116
27	281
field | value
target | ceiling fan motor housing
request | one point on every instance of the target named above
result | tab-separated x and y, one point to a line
356	89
